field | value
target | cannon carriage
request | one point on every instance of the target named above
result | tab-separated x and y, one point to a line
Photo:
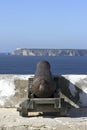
44	93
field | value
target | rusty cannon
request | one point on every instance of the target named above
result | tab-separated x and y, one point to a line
44	93
43	84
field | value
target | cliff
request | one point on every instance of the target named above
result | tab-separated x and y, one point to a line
49	52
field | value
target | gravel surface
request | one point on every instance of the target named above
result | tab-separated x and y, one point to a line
10	120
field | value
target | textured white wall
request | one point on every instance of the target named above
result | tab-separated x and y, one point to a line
14	90
79	81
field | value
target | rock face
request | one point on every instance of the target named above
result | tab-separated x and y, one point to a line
49	52
13	89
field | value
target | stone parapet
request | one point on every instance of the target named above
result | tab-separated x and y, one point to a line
13	89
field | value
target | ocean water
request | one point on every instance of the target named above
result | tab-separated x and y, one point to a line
27	64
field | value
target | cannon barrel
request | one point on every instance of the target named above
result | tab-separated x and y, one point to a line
43	83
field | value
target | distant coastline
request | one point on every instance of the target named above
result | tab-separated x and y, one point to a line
47	52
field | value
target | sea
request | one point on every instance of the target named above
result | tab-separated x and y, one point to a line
60	65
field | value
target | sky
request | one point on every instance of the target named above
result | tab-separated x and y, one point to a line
53	24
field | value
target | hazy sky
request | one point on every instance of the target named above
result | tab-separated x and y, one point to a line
43	24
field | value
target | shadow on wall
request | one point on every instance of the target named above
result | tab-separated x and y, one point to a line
73	92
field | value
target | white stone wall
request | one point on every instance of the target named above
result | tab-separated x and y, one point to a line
13	88
79	81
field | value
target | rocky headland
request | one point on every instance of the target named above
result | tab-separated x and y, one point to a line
49	52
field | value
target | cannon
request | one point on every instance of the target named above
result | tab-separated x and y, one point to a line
43	93
43	85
